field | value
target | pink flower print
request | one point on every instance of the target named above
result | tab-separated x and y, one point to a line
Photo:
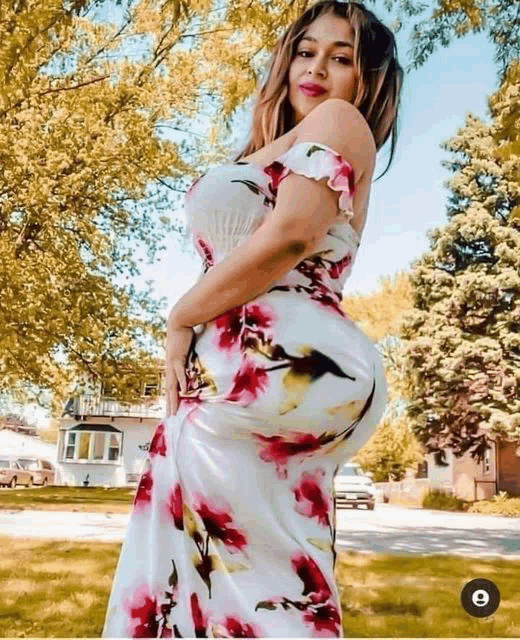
158	444
314	583
328	299
205	250
175	506
142	608
248	381
238	629
276	172
343	176
324	618
143	495
259	316
229	326
337	268
166	633
200	621
280	449
319	611
312	268
312	501
217	523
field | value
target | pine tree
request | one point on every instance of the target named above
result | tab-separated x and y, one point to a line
461	370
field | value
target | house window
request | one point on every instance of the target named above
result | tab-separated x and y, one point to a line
98	448
487	460
84	445
422	470
106	391
114	447
92	446
71	445
151	388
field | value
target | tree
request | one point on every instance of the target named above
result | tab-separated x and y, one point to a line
391	451
499	19
461	369
86	181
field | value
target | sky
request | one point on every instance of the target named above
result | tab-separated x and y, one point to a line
404	204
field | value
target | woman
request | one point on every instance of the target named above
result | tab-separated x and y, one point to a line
233	528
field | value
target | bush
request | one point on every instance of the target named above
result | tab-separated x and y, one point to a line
438	499
501	504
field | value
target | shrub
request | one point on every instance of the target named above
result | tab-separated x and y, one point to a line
501	504
438	499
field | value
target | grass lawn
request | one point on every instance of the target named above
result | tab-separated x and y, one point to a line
53	589
116	500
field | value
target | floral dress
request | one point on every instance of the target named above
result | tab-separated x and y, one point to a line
233	526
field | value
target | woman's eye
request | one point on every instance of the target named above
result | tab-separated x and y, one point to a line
343	60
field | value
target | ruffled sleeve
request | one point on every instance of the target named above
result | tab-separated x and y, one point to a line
316	160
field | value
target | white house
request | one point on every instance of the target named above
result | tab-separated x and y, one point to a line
102	441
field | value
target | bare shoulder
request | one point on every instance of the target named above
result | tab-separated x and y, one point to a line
342	127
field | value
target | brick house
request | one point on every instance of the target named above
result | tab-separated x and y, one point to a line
470	480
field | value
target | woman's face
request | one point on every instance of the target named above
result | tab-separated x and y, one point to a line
322	62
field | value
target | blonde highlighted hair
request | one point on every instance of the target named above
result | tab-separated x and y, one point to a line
380	77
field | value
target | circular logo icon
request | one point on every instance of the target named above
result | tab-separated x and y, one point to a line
480	598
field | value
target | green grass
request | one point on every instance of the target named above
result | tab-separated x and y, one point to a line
118	499
413	596
57	589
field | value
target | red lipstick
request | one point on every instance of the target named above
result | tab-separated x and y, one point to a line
311	89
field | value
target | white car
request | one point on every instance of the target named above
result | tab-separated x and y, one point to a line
352	486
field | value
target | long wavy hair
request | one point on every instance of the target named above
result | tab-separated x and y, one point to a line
379	74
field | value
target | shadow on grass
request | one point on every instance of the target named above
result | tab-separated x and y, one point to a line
53	589
404	596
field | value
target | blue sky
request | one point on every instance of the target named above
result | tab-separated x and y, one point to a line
409	199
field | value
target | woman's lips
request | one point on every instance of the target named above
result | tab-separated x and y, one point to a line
311	92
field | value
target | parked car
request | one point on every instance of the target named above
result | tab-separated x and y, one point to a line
352	486
43	472
12	473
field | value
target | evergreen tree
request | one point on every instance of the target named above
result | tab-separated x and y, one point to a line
461	358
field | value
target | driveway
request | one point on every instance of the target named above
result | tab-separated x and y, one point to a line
387	529
401	530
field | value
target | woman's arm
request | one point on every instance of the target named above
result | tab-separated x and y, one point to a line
242	276
304	212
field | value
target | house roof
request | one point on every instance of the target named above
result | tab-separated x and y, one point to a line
89	426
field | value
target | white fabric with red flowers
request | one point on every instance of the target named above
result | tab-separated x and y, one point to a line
233	526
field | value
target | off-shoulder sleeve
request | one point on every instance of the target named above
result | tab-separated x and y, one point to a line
316	160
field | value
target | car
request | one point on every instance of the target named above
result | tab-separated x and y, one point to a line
12	473
352	486
43	472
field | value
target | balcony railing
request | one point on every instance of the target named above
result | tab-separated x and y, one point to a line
95	405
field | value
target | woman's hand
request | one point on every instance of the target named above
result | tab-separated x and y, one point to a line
177	346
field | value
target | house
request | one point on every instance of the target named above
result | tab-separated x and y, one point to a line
465	478
103	442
